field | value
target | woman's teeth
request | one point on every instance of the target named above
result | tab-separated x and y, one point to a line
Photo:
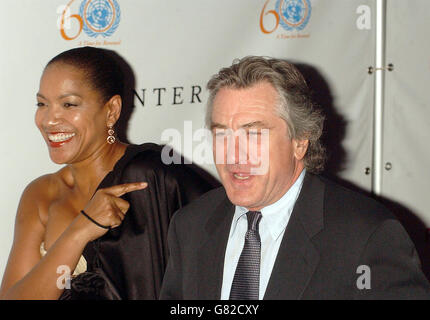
59	137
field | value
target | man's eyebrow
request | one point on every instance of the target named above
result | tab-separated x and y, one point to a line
254	124
249	125
215	125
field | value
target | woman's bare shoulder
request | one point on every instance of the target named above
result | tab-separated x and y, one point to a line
40	193
43	187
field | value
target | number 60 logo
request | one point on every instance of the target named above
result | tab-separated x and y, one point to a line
291	14
96	17
64	21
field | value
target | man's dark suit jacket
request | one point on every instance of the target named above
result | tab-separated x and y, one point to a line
331	232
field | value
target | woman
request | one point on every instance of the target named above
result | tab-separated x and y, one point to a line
105	214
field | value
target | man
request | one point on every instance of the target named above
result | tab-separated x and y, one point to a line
281	232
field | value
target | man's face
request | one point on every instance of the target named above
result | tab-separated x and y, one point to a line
252	110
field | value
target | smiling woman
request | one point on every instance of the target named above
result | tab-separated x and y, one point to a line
84	113
93	216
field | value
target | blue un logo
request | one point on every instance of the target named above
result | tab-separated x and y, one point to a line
100	17
293	14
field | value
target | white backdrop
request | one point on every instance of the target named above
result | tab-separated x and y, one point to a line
407	107
182	43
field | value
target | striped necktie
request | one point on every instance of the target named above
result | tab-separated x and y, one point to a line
246	281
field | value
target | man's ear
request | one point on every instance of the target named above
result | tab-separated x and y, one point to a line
114	106
300	148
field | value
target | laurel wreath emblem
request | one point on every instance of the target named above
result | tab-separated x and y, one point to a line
108	32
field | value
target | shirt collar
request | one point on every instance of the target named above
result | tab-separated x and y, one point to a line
275	216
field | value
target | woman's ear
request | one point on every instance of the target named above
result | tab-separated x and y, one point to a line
300	148
114	106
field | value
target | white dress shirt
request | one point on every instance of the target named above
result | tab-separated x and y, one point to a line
271	228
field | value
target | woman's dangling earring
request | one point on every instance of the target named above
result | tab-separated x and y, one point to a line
111	138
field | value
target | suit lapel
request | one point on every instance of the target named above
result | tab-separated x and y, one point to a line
297	257
212	252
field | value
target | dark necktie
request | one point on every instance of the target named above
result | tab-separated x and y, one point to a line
246	281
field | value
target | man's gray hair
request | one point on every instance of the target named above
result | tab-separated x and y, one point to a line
295	105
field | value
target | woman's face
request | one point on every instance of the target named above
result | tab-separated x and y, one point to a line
70	114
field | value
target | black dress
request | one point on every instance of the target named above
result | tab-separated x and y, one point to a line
128	262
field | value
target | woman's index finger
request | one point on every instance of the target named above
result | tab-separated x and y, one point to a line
122	189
